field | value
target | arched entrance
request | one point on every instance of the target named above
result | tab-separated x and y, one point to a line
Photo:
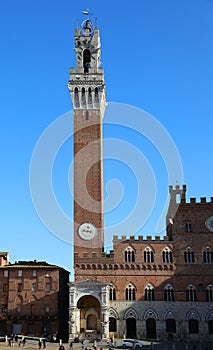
89	308
151	328
131	327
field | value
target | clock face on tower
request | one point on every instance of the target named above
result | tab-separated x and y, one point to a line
87	231
209	223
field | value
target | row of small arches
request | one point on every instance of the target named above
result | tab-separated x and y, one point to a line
83	98
143	267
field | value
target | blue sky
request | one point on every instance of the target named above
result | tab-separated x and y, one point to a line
157	56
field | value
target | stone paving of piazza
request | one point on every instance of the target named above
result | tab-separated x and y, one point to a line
165	345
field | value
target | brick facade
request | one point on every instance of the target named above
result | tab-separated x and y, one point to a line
146	287
34	299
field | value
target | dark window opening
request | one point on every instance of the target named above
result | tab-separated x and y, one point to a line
112	324
86	60
193	326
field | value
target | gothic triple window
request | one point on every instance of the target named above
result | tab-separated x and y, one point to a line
208	256
149	293
167	255
169	293
191	293
129	255
130	292
148	255
189	255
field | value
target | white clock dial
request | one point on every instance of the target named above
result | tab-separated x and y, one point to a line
87	231
209	223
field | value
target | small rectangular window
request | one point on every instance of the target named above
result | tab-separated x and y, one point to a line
47	309
19	287
5	273
4	308
47	288
19	273
34	273
32	309
34	287
5	287
188	227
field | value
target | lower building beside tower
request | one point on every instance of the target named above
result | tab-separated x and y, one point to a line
34	299
150	287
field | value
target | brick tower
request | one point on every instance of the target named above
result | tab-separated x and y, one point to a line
87	89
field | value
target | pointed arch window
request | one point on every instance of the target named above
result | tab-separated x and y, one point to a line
130	292
149	293
129	255
208	256
148	255
167	255
189	255
76	98
83	97
191	293
209	293
89	97
169	293
96	97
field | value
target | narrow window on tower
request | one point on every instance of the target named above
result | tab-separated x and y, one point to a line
89	97
76	98
96	97
86	60
83	97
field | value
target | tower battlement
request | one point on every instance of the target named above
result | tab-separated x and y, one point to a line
178	196
133	239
